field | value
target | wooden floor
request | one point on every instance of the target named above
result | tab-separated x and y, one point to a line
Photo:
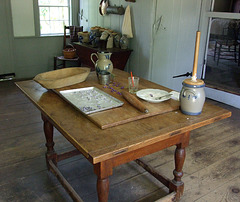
211	169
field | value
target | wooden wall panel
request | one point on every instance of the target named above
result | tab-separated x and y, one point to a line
6	50
174	42
141	13
160	50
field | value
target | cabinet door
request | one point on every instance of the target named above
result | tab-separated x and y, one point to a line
174	32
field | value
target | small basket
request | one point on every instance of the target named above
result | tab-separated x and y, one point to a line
69	52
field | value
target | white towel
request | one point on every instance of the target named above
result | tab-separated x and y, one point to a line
127	24
175	95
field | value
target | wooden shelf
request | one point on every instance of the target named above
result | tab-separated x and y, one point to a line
119	56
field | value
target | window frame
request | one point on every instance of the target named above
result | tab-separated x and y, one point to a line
38	24
74	19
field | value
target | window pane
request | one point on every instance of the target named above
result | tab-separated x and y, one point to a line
45	27
58	13
53	2
54	14
66	23
223	61
44	13
57	27
232	6
43	2
65	13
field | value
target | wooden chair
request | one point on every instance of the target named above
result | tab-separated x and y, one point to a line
227	46
73	37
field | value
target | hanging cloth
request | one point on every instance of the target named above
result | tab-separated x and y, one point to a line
127	24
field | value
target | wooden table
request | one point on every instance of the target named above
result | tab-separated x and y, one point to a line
111	147
119	56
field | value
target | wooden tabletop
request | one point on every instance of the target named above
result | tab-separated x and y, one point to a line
98	145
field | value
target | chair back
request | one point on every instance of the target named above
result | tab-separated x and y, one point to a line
73	34
232	31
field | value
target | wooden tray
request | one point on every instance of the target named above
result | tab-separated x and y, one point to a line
125	113
62	77
90	100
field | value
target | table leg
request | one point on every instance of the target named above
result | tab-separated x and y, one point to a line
103	189
177	184
103	171
48	131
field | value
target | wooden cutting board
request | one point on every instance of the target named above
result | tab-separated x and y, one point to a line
126	113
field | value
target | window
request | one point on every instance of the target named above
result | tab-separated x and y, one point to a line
54	15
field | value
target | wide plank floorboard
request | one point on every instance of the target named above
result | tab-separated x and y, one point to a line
211	169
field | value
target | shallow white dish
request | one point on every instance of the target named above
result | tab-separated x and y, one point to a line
151	95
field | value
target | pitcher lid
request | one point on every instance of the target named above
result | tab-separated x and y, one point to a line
196	84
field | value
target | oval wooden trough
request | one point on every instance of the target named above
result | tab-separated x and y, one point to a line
62	77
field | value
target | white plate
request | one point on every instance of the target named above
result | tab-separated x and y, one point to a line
150	95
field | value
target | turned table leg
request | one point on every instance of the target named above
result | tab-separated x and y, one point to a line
103	171
177	184
103	189
48	131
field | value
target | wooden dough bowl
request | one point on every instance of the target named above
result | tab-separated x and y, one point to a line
62	77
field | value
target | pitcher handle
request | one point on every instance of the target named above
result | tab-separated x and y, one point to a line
94	62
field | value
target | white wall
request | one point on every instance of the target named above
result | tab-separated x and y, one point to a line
6	53
174	41
26	56
159	54
141	13
23	22
224	97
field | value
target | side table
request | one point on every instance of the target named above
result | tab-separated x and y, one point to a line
119	56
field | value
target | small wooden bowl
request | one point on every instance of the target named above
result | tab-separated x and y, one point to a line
62	77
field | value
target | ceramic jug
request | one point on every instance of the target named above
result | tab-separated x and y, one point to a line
116	39
94	36
192	98
124	42
83	37
103	61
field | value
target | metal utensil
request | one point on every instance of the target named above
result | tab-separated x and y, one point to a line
103	7
159	98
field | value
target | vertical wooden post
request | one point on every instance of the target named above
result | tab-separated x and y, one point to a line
48	131
103	170
177	184
103	189
180	155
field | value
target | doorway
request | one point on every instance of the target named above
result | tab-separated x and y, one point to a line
222	59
